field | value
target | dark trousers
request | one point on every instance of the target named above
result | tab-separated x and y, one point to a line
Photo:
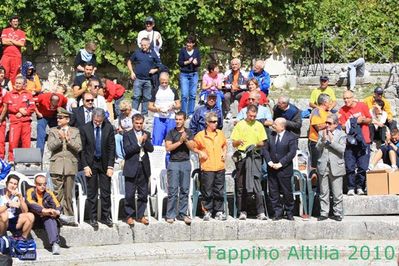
51	227
315	154
242	193
356	163
212	189
377	134
280	185
99	180
137	183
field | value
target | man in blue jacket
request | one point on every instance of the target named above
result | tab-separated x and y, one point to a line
197	123
146	63
261	75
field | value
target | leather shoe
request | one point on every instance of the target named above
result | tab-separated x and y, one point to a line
143	220
107	221
130	221
94	224
322	218
277	218
290	217
337	218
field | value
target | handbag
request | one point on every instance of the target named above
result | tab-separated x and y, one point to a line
24	249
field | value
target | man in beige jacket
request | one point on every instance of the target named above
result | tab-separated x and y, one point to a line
65	144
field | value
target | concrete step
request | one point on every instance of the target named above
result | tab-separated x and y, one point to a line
202	253
351	228
371	205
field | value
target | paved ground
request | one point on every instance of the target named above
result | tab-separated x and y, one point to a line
284	252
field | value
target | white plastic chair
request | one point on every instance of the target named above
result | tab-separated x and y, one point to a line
162	191
117	193
194	166
157	161
80	183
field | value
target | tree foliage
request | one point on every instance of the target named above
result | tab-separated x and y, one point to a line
249	28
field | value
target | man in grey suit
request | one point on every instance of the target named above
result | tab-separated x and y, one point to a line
331	167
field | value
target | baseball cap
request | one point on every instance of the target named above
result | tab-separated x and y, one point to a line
212	94
149	19
324	78
379	90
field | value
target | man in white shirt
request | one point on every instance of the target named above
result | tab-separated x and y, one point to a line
154	36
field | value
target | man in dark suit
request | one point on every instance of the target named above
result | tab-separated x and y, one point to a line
83	114
137	170
279	153
98	157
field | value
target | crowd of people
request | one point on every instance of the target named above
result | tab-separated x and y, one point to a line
97	128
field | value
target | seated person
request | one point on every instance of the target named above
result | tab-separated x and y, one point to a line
252	85
235	85
388	152
123	124
261	76
44	205
377	127
33	84
213	81
379	95
325	89
14	215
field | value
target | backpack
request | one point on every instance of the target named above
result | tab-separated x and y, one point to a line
5	245
24	249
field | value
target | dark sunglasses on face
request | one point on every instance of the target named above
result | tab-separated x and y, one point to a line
96	86
213	121
329	123
89	100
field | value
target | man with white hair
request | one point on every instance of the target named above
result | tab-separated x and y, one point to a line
235	84
164	102
279	153
261	75
290	112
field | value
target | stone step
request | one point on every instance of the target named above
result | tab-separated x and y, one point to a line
351	228
201	253
371	205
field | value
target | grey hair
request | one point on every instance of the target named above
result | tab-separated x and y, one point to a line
256	94
282	121
98	112
284	99
236	60
166	74
125	104
323	98
333	117
209	115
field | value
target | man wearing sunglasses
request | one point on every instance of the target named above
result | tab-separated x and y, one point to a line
80	84
64	144
47	209
83	113
47	105
331	167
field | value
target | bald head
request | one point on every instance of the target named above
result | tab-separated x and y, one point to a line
279	124
348	98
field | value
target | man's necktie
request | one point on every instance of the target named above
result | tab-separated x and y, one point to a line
88	116
98	143
278	140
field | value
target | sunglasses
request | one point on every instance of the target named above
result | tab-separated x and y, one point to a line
96	86
329	123
89	100
123	110
213	121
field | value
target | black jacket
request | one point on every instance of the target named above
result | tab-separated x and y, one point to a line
107	145
132	151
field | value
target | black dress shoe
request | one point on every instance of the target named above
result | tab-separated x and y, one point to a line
107	221
290	217
277	218
322	218
94	223
337	218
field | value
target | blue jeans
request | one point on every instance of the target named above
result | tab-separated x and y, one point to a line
142	94
178	179
161	127
120	153
188	85
41	130
356	157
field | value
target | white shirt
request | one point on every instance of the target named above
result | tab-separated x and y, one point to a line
149	35
11	211
99	102
165	99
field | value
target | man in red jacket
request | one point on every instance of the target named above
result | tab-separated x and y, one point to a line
47	105
12	39
20	108
113	91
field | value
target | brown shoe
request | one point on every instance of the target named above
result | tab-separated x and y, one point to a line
170	220
130	221
187	220
143	220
